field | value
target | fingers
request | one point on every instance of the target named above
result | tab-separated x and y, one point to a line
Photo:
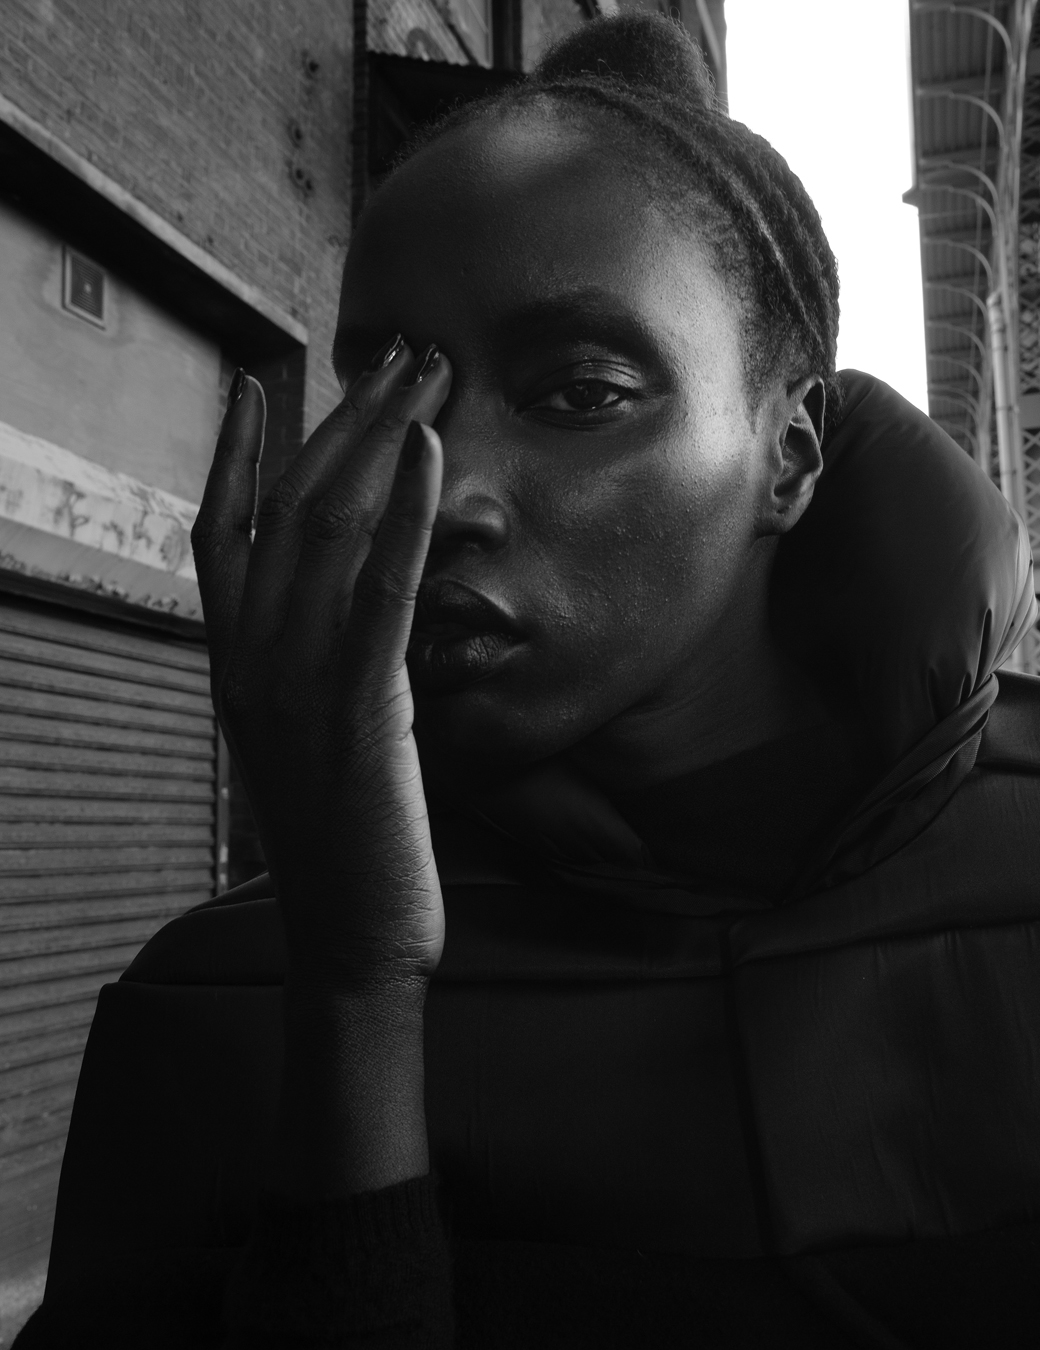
221	535
332	450
340	528
384	594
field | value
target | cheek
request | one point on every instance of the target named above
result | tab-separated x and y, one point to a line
643	559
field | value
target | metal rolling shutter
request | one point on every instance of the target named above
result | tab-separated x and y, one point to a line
108	828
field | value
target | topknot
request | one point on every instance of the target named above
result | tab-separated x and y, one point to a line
635	49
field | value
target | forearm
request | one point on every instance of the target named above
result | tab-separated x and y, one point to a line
348	1245
352	1115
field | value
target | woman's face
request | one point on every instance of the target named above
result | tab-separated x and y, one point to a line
602	473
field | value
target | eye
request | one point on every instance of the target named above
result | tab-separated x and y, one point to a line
582	396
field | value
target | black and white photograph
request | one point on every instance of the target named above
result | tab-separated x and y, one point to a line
519	675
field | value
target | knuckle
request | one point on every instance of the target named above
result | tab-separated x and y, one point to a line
389	425
212	530
347	414
204	532
333	519
284	499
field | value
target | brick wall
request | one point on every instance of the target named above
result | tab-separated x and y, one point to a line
230	118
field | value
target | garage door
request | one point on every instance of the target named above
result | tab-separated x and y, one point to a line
108	828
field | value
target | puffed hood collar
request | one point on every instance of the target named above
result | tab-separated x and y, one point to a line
909	576
909	582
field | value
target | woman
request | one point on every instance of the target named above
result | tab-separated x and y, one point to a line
695	758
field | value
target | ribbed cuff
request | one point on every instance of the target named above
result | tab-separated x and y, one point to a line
339	1272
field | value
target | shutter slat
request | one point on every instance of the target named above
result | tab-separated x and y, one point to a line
46	1048
45	835
96	637
49	966
86	735
44	1117
131	857
44	703
74	940
35	914
37	1108
27	1201
20	1086
161	881
54	680
80	811
61	656
61	758
47	783
30	1162
51	1020
24	1000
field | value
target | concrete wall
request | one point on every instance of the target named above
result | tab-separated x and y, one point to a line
140	395
230	118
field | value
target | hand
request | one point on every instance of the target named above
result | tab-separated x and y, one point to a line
308	623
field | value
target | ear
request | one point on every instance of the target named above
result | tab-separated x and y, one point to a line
797	456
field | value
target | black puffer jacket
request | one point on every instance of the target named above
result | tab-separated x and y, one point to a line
659	1116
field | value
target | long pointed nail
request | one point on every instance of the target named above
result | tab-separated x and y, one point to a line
386	353
235	389
428	363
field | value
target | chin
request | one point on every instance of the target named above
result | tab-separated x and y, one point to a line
493	727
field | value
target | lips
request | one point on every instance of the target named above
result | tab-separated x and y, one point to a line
458	636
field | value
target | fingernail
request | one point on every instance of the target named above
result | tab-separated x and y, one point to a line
234	393
413	448
428	363
386	354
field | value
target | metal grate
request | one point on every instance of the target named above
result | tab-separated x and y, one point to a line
84	288
1029	319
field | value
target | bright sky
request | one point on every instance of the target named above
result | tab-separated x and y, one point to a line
826	82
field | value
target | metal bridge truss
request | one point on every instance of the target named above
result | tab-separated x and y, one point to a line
976	80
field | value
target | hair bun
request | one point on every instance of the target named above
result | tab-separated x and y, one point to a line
639	48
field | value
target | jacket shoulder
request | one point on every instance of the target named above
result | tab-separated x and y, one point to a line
1011	740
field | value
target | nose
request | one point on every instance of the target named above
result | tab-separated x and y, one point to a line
472	515
468	519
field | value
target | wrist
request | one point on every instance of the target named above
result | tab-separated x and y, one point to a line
354	1022
328	989
352	1113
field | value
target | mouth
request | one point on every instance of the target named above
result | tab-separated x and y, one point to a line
458	637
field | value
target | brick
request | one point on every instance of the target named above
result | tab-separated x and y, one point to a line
187	106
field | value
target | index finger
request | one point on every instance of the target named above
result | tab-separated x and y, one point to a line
222	533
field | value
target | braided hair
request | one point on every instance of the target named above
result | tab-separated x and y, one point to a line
646	76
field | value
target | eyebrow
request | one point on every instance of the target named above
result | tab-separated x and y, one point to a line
587	312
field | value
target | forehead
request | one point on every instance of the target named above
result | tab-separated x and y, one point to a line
512	211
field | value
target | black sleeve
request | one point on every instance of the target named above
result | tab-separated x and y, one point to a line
369	1271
